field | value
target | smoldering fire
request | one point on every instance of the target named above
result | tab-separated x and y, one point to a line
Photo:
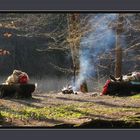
99	40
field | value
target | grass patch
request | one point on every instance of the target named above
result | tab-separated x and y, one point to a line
12	115
76	111
52	112
65	112
137	96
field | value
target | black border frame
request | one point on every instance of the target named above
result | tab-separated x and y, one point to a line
44	134
69	6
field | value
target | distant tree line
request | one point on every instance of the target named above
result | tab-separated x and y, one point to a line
39	43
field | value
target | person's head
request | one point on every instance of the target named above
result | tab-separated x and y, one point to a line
17	72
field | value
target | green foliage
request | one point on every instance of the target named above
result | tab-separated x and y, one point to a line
44	113
51	112
137	96
66	112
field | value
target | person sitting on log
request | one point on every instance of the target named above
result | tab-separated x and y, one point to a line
17	77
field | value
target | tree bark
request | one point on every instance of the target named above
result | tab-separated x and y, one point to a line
118	53
74	41
118	63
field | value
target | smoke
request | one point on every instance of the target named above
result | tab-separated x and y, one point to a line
100	40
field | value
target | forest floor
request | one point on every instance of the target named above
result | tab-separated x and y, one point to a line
56	110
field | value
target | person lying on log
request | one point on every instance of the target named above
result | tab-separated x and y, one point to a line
134	76
131	81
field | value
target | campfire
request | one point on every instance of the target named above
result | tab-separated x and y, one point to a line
68	90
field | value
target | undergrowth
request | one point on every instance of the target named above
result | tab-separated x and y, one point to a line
76	111
137	96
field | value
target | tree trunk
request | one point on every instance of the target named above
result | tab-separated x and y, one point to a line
118	56
74	41
118	63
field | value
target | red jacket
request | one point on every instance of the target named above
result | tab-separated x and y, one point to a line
105	88
23	79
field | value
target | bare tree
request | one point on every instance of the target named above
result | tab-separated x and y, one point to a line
65	32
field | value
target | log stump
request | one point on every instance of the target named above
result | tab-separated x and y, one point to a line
123	88
17	90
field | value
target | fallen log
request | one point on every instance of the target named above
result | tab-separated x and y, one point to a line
123	88
17	90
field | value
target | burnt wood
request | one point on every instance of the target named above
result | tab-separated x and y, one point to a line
17	90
